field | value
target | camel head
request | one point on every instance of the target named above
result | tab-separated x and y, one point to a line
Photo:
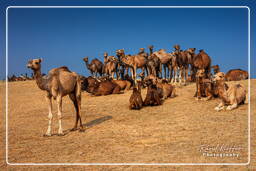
142	50
119	52
151	47
85	59
176	47
105	54
200	73
34	64
191	50
220	76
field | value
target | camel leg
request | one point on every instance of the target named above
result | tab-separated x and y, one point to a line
49	100
170	70
59	103
73	98
164	71
186	75
231	107
180	76
160	70
219	107
135	75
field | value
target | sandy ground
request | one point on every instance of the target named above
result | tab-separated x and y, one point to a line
172	133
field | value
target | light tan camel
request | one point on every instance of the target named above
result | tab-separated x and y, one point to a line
168	60
58	83
134	62
110	65
231	96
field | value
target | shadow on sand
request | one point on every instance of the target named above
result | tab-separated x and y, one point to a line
88	125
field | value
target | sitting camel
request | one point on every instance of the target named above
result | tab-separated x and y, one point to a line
135	100
101	87
204	87
57	84
232	96
153	95
236	75
166	90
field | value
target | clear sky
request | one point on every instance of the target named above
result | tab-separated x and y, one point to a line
65	36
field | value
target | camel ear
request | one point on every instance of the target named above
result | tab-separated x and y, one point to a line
40	60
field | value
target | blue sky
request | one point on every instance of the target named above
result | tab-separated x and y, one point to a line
65	36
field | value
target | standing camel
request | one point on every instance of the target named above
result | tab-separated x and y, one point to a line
110	65
202	61
184	59
58	83
153	63
96	66
167	60
134	62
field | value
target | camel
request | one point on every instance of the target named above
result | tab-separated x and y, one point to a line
153	95
204	87
105	86
135	100
133	62
89	84
96	66
110	65
202	61
58	83
236	75
168	60
153	63
184	59
124	84
166	90
232	96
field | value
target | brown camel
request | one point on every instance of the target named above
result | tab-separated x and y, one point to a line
135	100
202	61
153	63
105	86
204	87
110	65
232	96
153	95
184	60
165	90
58	83
96	66
236	75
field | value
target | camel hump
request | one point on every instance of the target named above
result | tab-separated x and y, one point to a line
63	68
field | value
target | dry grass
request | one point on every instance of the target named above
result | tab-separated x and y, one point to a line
171	133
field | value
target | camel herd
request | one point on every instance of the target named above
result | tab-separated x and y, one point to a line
179	67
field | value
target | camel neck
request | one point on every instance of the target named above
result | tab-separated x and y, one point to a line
222	90
151	51
39	79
